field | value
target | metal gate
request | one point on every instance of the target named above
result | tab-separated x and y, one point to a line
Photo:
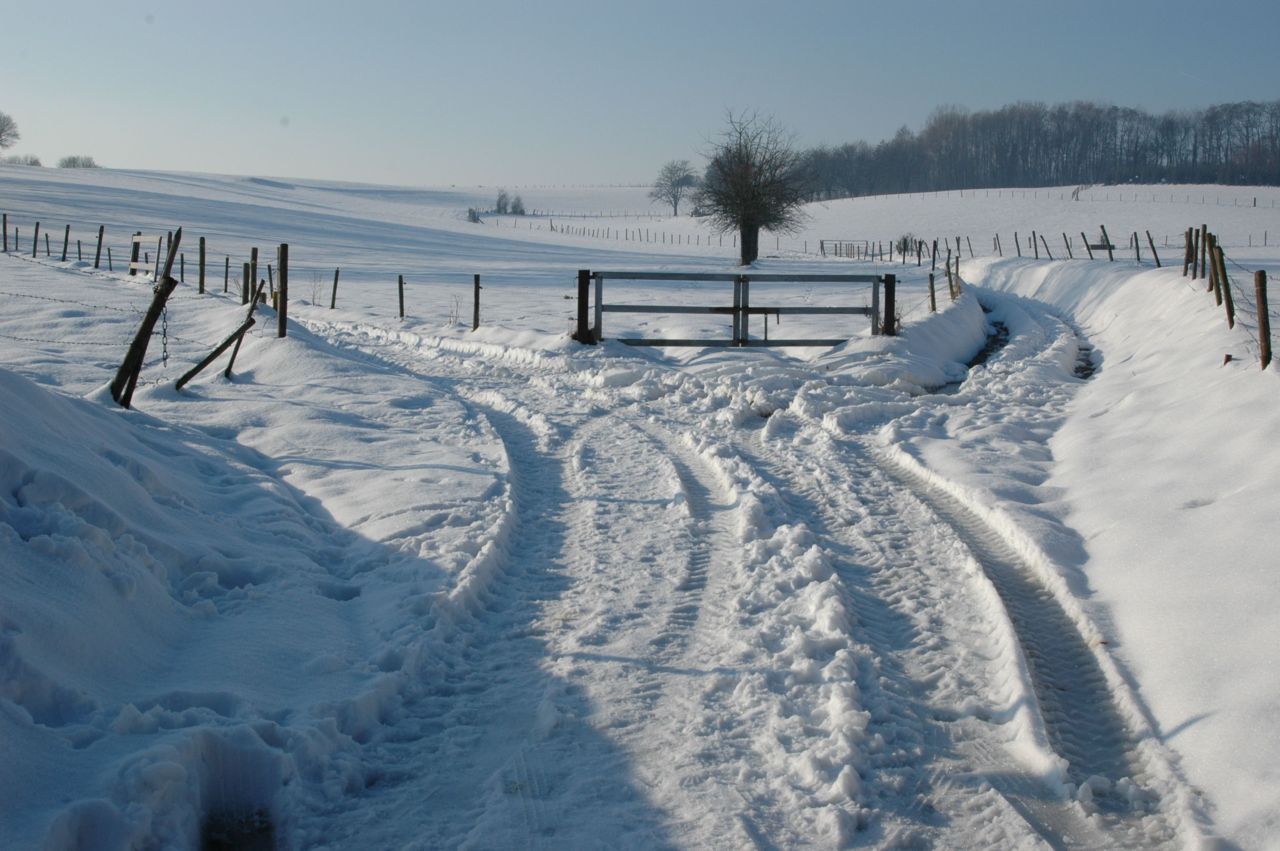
740	310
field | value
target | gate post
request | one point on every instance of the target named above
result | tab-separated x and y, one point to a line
744	326
889	325
737	310
875	307
583	333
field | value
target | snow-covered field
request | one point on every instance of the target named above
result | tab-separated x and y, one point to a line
401	584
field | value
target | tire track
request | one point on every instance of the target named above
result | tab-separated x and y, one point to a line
1079	711
940	773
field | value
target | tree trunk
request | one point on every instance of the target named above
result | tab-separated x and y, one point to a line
749	242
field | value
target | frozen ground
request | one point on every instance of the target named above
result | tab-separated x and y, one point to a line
402	584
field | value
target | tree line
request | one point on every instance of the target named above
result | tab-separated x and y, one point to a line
1032	144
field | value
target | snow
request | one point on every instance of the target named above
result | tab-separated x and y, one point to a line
401	584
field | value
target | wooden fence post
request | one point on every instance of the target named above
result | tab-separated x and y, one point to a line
1264	317
969	242
253	271
1034	245
127	375
1017	243
933	296
1070	254
133	253
475	313
890	325
66	238
999	247
202	264
47	252
1203	248
1151	243
1220	260
5	228
400	284
583	333
226	273
1106	240
35	241
1215	283
244	284
97	257
1186	254
79	252
111	266
333	297
282	304
1043	242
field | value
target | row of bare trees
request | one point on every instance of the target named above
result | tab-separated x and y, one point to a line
1032	144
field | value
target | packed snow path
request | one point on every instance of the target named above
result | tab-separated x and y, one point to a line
980	716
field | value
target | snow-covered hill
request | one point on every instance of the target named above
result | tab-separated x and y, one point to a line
400	583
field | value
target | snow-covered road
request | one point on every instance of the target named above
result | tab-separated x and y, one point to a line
398	584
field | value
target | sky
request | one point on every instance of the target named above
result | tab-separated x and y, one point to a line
560	92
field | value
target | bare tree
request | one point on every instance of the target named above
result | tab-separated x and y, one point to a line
755	179
675	181
8	131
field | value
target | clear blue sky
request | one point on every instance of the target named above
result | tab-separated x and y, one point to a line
538	92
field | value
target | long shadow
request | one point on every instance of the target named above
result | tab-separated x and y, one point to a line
464	711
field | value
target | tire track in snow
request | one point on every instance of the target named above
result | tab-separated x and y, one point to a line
935	768
660	542
486	749
1081	717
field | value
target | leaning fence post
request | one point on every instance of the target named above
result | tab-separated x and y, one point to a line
333	297
1087	246
66	238
1264	317
1151	243
1220	260
97	257
126	379
1111	255
35	241
475	313
1215	283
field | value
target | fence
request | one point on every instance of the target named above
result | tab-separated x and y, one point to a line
739	311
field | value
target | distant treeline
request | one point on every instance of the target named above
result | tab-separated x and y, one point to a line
1031	144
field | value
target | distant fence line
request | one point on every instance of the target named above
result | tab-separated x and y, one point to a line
1204	257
